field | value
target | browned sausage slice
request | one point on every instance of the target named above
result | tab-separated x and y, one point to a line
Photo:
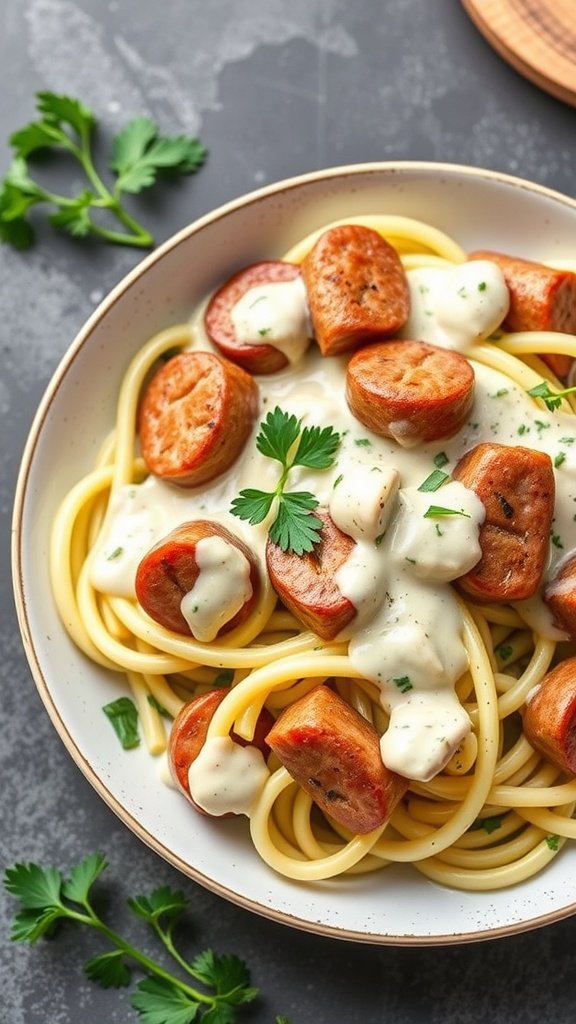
516	487
196	415
218	320
541	299
188	735
560	596
170	570
549	717
334	755
409	390
306	584
357	288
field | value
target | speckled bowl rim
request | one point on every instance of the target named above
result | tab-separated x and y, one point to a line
39	676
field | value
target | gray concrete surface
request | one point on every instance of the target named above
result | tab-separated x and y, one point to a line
274	87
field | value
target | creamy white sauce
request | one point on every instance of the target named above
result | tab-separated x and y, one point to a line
408	625
424	731
227	778
221	589
456	307
274	314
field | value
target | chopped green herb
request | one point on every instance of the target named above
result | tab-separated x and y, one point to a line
363	442
559	459
439	532
263	331
436	511
224	678
482	286
541	425
552	399
504	651
556	540
114	554
434	481
338	480
158	707
378	540
553	842
500	393
123	716
440	460
403	684
491	824
567	440
523	429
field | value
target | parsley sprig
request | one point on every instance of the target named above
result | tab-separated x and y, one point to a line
551	399
47	898
138	154
294	527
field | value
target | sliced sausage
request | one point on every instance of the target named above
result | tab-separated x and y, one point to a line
560	596
357	288
516	487
410	391
306	584
549	717
195	417
218	319
170	570
334	755
541	299
189	730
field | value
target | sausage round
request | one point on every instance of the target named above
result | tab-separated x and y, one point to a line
549	717
410	391
334	755
357	288
541	299
218	319
516	487
306	584
188	735
195	417
169	571
560	596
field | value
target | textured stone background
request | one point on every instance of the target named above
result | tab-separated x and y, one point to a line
274	87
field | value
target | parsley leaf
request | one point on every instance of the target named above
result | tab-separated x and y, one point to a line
46	897
552	399
138	154
158	1002
294	527
123	716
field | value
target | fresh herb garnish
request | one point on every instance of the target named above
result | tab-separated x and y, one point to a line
403	683
491	824
553	842
139	153
434	481
504	651
48	898
123	716
437	511
440	460
552	399
114	554
294	528
559	459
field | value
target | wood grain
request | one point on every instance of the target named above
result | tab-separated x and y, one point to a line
537	37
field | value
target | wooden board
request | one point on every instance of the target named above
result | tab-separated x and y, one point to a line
537	37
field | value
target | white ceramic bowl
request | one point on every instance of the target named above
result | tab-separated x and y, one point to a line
480	209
